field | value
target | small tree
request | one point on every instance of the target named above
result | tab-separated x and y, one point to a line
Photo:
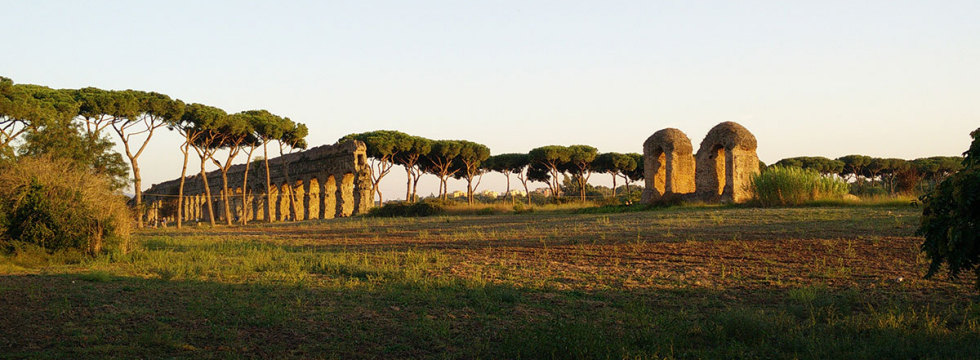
614	164
417	148
140	115
382	147
439	162
192	125
951	219
293	137
547	163
234	133
854	165
633	175
207	121
580	165
264	126
471	155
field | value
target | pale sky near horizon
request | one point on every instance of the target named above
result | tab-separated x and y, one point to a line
821	78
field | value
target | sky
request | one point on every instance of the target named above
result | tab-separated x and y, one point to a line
808	78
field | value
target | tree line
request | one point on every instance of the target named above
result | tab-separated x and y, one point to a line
469	161
892	173
73	124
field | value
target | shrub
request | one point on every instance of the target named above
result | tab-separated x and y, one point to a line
58	206
419	209
951	218
793	186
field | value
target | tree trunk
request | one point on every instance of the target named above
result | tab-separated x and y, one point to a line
507	175
469	190
614	185
245	207
268	184
137	189
180	189
629	194
527	193
415	184
225	195
207	191
408	185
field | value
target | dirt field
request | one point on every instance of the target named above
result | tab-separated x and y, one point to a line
841	282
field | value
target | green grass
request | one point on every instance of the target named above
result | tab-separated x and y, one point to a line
781	186
680	282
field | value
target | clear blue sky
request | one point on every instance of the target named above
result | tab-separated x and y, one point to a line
830	78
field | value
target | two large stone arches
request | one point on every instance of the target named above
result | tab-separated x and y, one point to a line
721	170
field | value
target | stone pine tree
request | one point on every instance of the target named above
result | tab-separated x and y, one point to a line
547	162
208	120
192	125
817	163
510	163
264	126
854	165
471	155
97	106
233	134
48	118
614	164
293	138
439	162
633	175
268	128
951	219
135	125
21	111
382	147
580	166
417	148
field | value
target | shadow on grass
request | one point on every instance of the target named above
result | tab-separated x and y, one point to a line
98	315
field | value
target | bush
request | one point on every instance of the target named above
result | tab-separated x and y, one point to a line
419	209
951	219
794	186
52	204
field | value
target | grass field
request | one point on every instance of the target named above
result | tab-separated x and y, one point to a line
818	282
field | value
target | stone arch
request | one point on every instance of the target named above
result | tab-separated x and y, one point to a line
328	197
311	187
283	205
726	163
297	200
668	164
345	195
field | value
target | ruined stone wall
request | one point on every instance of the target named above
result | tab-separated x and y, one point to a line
721	171
726	163
320	183
668	165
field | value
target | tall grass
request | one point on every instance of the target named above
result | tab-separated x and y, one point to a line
780	186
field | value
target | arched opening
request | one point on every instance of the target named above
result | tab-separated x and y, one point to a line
313	198
328	205
345	195
718	155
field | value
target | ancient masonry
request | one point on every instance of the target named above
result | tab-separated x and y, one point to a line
320	183
721	171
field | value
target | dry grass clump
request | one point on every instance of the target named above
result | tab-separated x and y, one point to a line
55	205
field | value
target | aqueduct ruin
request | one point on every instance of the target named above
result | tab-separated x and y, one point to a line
721	171
320	183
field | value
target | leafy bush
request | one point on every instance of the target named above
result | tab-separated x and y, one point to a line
951	218
56	205
419	209
793	186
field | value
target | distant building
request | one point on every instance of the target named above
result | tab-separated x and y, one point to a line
490	193
457	194
516	192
